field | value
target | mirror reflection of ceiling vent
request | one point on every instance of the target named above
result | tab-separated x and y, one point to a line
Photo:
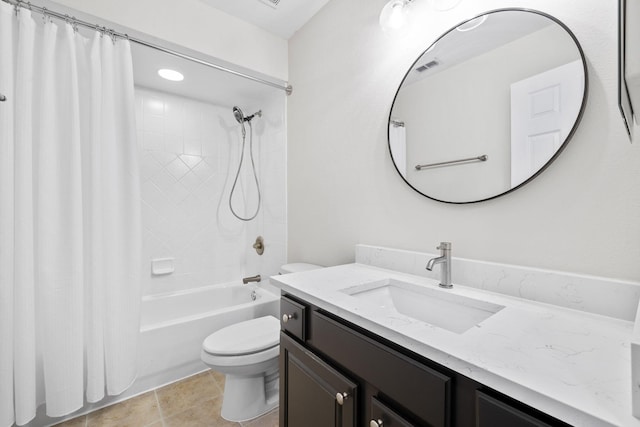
428	66
272	3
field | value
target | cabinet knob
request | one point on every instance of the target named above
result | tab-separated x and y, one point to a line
375	423
341	397
287	317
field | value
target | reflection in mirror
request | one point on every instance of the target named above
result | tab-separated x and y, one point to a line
488	106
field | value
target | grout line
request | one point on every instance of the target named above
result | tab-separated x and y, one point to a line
159	408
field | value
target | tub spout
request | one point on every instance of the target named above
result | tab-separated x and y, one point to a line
255	278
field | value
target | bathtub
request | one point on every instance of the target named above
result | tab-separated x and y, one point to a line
174	325
172	329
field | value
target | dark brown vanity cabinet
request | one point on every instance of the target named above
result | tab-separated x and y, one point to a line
492	412
333	373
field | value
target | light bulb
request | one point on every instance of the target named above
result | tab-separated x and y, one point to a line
394	15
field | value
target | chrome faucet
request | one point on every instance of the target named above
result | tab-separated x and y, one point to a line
255	278
445	260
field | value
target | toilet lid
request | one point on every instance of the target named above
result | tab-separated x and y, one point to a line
250	336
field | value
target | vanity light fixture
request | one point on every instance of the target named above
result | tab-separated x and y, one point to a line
395	13
172	75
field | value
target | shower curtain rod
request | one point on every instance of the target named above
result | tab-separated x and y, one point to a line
78	22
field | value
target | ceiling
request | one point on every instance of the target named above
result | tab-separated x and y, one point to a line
283	19
200	82
217	87
456	47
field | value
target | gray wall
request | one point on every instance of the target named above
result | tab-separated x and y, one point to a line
581	215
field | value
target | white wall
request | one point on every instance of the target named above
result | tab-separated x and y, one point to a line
189	157
193	24
581	215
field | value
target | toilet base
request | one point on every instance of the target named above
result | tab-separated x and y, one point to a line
248	397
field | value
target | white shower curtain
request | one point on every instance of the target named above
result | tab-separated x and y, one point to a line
70	237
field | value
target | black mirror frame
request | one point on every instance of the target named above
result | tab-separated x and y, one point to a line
557	153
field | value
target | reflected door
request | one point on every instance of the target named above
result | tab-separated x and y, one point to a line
543	111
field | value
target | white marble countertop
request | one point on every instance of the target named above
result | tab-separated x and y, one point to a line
573	365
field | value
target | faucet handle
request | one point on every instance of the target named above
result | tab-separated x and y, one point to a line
444	246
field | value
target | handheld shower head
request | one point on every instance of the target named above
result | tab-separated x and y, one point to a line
237	113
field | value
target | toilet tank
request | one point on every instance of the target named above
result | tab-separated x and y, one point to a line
297	267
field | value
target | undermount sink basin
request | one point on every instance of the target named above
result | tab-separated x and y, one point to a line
452	312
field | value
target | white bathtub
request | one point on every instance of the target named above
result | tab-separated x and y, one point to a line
173	327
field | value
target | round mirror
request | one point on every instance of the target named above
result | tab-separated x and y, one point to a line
488	106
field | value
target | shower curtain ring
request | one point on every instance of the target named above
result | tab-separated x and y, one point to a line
17	6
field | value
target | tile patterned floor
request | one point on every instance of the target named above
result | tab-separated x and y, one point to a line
192	402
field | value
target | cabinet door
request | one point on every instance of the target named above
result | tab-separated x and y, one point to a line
492	413
312	393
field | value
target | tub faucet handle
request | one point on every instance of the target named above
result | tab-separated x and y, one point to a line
259	245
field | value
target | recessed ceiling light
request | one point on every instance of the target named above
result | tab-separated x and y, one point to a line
173	75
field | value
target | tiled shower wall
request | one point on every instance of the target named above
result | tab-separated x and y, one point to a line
189	156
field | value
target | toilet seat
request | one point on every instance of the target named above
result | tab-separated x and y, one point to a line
246	338
244	360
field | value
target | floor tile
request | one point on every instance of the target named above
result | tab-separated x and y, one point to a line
178	397
219	378
268	420
138	411
204	414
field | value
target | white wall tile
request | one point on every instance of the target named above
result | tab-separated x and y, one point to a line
189	159
177	168
152	105
152	141
153	123
193	147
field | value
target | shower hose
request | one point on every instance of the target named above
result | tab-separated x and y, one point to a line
255	175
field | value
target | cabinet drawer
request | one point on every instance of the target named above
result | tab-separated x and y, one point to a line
491	412
420	390
383	416
292	317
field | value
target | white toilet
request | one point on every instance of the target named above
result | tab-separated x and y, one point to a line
247	353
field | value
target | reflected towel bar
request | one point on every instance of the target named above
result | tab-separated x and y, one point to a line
482	158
